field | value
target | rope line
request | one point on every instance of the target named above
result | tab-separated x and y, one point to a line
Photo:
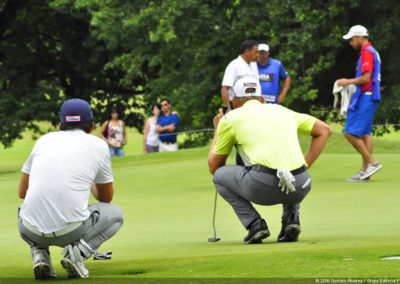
211	129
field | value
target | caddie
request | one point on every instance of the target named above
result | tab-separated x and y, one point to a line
57	178
271	71
275	170
364	102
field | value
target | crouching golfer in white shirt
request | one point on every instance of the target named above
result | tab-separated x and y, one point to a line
56	181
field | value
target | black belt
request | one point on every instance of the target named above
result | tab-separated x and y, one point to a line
267	170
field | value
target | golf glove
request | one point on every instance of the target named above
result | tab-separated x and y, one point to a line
287	182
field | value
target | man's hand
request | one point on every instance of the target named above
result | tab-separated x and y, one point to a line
103	192
281	98
217	118
286	181
343	82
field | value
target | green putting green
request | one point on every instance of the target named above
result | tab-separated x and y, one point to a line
168	200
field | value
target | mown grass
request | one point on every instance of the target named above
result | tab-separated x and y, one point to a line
167	199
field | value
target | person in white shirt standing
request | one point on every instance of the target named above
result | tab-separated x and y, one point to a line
57	178
150	135
243	66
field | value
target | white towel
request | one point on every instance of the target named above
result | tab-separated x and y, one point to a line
346	92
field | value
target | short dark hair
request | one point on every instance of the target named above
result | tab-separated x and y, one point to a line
85	126
156	105
247	44
242	100
165	100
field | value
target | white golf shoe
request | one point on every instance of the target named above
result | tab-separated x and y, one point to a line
42	268
74	259
371	169
358	177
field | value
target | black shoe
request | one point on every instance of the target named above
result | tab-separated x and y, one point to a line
290	229
257	232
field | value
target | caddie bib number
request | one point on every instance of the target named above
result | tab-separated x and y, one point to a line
269	98
267	77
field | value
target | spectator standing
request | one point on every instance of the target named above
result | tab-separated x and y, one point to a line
150	136
113	131
271	71
57	178
364	102
167	124
243	65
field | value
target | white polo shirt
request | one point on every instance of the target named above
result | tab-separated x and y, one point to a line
237	69
62	167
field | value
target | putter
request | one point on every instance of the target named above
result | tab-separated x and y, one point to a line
215	238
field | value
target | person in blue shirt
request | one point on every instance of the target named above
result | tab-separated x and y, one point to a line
167	126
271	71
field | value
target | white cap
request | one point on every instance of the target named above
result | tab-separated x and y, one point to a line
263	47
356	31
242	86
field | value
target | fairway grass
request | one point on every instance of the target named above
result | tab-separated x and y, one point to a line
168	199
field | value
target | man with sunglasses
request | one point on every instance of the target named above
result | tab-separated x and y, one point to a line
167	126
271	71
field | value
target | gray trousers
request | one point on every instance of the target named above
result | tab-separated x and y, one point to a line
104	221
240	186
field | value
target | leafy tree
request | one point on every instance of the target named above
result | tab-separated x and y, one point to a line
132	53
48	56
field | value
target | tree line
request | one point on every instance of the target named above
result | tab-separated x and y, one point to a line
132	53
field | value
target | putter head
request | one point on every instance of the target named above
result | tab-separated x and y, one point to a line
102	256
213	239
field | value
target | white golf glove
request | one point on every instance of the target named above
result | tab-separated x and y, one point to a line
287	182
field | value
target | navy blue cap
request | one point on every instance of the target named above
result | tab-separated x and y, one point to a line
75	110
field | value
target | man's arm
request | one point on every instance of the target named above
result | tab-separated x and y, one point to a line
102	129
362	80
103	192
167	128
214	160
160	129
23	185
320	134
225	95
285	89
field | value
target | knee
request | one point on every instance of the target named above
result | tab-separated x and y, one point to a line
108	211
218	175
348	136
117	213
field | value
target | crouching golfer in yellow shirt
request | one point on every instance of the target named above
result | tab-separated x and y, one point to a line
275	172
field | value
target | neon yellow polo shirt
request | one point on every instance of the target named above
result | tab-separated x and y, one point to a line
265	134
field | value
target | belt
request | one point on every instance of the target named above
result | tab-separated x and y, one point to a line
61	232
267	170
168	142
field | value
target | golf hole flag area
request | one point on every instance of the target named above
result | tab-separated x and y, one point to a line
168	203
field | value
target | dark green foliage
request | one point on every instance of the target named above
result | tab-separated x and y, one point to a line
132	53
